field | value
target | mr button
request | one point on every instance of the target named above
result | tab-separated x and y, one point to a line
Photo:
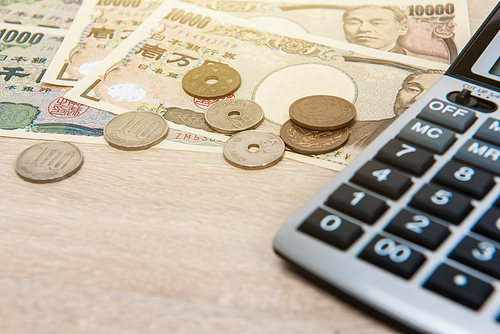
430	136
448	115
480	154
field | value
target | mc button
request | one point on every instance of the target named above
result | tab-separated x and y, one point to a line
428	135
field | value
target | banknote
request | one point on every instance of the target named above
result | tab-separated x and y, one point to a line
31	109
432	29
45	13
98	28
145	72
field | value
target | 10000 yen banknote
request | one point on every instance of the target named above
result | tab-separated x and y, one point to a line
98	28
44	13
31	109
432	30
145	72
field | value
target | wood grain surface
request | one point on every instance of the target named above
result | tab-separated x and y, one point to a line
160	241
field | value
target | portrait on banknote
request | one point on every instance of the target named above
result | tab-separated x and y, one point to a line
362	133
435	31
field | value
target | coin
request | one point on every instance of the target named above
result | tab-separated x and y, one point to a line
49	162
135	130
322	112
231	116
187	117
307	141
211	81
253	149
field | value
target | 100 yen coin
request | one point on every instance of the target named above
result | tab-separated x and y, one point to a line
233	115
49	162
322	112
135	130
253	149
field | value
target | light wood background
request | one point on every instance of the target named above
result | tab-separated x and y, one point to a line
161	241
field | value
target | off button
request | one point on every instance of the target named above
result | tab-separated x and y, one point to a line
449	115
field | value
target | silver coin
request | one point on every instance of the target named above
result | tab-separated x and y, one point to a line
234	115
253	149
49	162
135	130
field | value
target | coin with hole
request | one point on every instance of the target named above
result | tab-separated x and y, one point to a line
135	130
254	149
49	162
211	81
234	115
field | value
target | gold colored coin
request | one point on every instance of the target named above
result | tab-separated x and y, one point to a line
307	141
233	115
253	149
49	162
322	112
212	81
135	130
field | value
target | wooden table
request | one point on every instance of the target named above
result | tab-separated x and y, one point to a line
161	241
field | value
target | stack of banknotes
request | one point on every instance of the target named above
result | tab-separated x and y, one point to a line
68	67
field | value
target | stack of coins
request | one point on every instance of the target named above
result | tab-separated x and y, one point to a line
318	124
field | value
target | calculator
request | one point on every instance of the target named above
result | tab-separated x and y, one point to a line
411	227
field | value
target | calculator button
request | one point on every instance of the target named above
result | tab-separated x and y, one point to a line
470	180
448	115
428	135
392	256
489	131
356	203
480	154
382	179
331	229
480	255
419	229
443	203
459	286
489	224
406	156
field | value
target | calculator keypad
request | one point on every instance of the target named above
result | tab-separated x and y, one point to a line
438	204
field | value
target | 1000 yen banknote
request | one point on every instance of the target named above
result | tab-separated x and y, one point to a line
32	109
99	27
29	105
432	29
44	13
145	72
